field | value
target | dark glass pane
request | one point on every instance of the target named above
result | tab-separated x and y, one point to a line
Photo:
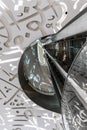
65	51
74	107
36	70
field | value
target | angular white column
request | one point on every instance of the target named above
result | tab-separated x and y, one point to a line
75	26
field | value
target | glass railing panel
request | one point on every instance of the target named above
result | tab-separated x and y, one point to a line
74	108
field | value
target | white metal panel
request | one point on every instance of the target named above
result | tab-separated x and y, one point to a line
78	26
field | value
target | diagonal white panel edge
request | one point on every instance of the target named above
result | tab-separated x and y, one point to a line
78	26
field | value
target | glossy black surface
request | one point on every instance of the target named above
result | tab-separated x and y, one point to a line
64	53
49	102
65	50
35	65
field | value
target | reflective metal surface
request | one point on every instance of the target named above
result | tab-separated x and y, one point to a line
21	22
36	69
66	52
74	111
46	101
62	54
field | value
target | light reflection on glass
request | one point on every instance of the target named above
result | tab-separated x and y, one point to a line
74	112
36	70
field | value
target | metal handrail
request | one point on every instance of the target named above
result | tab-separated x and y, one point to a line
81	94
